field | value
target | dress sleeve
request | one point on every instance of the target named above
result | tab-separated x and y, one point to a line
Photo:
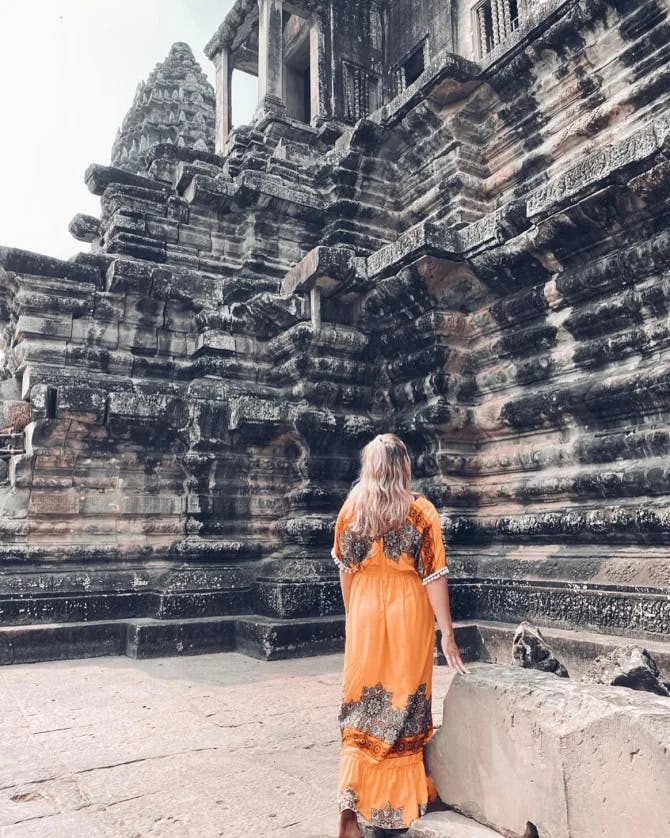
433	554
337	552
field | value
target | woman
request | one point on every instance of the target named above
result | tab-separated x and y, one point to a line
389	548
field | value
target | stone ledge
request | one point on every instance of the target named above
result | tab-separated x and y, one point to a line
258	637
326	268
520	746
99	177
449	825
36	264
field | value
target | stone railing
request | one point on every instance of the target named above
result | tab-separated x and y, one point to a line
496	20
499	25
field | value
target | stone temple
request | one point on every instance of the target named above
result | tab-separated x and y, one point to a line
448	220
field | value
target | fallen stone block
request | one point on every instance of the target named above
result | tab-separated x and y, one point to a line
632	667
531	651
520	747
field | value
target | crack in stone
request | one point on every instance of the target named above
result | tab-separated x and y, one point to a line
75	774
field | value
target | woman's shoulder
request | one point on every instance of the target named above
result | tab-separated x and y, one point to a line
346	510
424	507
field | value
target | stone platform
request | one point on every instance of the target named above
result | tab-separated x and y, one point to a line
218	745
225	745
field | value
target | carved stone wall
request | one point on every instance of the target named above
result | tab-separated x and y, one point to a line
480	265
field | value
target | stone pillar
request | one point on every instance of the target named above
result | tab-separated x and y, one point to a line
315	307
270	55
224	114
317	73
507	17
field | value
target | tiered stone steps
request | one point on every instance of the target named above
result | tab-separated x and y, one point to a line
146	637
271	638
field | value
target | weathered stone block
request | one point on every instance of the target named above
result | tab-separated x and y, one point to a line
449	825
84	228
56	503
520	746
85	404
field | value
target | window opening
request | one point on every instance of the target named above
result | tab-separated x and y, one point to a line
244	89
297	68
414	66
361	92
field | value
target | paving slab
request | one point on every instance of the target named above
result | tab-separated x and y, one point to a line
214	745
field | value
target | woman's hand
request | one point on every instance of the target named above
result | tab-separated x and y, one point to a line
452	654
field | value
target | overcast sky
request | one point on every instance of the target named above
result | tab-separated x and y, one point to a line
68	73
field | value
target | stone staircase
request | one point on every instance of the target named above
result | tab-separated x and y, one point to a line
149	637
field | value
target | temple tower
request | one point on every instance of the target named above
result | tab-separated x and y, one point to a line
176	104
447	220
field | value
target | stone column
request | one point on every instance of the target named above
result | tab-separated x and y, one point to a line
224	115
270	55
318	93
315	307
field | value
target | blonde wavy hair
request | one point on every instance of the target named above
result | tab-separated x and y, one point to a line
381	498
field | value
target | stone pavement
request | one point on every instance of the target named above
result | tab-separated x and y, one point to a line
215	745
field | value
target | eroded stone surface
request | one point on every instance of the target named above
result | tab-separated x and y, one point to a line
521	746
466	243
174	105
631	667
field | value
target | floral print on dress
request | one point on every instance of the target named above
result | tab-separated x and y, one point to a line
374	715
388	817
348	799
355	548
374	731
406	539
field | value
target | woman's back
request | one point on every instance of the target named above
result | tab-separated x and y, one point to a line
414	547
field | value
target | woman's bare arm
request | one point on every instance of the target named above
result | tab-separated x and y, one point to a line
438	594
345	585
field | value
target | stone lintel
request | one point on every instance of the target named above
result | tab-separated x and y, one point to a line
27	262
185	172
225	35
605	163
215	192
423	239
181	154
252	183
99	177
325	268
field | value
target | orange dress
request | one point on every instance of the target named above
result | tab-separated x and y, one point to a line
385	718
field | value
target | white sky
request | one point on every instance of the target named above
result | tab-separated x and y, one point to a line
68	73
